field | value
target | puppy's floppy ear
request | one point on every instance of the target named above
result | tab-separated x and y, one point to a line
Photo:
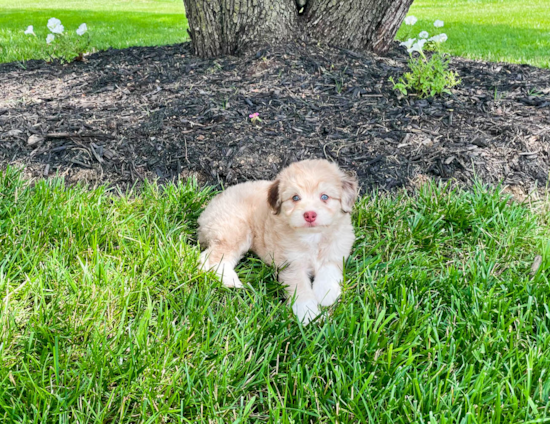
349	191
273	197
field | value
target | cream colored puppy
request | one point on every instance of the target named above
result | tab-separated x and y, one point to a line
300	222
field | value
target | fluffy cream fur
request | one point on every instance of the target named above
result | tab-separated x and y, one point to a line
300	222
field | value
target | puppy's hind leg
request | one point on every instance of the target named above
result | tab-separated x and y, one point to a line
223	255
224	266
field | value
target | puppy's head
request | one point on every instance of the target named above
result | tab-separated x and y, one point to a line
312	194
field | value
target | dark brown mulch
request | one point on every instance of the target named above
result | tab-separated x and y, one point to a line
159	112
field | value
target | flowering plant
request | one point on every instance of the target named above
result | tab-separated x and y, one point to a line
255	117
423	34
61	44
410	20
428	76
54	25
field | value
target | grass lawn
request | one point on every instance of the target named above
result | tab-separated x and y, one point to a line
515	31
105	317
111	23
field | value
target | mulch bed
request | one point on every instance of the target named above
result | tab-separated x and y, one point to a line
123	116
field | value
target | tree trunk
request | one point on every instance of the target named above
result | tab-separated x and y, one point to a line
220	27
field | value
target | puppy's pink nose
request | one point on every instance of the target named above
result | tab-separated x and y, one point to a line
310	216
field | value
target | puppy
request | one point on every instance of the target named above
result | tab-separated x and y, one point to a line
300	222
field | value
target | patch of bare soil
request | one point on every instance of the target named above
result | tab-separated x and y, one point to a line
161	113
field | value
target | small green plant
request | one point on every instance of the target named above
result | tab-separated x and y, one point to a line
63	45
533	92
428	76
498	96
216	67
339	83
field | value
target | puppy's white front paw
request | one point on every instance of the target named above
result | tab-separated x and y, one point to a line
306	310
327	291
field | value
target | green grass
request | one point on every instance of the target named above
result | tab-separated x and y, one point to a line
105	317
516	31
111	23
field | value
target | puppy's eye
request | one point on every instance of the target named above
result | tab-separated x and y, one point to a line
324	197
296	198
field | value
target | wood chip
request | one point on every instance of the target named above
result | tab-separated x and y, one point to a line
34	139
13	133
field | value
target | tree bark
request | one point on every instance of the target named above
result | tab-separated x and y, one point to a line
219	27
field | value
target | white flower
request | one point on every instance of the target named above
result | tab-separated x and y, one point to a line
54	25
58	29
424	34
410	20
417	47
53	22
30	30
441	38
82	29
438	24
408	44
50	38
421	43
